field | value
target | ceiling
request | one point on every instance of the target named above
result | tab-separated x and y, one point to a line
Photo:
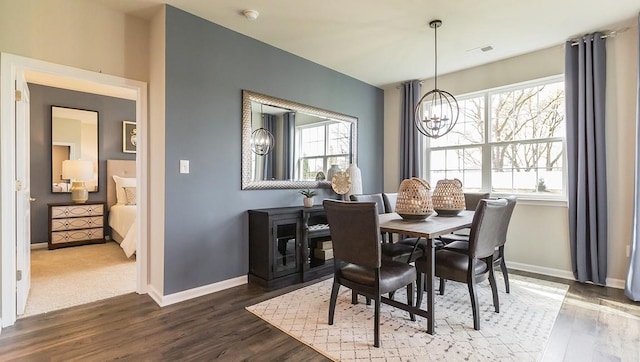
383	42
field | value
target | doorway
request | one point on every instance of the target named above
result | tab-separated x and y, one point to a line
36	71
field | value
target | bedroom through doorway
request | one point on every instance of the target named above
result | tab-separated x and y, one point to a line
71	275
81	260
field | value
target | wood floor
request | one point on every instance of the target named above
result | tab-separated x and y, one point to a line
595	324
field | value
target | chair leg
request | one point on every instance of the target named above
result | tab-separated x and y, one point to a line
442	283
354	297
410	300
368	301
474	303
332	301
420	285
494	290
503	267
376	328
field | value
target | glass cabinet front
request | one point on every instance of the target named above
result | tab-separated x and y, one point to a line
285	258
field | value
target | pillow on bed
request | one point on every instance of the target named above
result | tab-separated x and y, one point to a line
121	183
130	194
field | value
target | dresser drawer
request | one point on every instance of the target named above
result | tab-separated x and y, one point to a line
73	224
77	223
66	211
71	236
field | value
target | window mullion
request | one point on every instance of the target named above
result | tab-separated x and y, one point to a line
486	146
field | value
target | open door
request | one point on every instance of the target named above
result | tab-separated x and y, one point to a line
23	195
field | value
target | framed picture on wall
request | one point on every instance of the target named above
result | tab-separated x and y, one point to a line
129	137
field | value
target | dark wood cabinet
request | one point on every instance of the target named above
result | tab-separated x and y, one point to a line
281	245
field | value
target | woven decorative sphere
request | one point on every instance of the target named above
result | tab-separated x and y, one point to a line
448	197
414	199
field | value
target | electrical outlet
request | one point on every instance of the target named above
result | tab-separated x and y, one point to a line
628	250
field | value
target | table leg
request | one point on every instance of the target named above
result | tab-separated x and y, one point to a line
430	291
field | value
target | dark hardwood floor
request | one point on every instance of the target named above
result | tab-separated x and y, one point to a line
595	324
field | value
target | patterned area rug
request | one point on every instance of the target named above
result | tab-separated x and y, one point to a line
518	333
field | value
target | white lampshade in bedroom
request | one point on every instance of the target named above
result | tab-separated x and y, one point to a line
78	171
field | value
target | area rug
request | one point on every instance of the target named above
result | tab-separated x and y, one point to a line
518	333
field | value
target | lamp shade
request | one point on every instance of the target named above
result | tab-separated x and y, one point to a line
77	170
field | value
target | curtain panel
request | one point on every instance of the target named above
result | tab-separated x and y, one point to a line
585	79
269	123
288	152
632	286
411	141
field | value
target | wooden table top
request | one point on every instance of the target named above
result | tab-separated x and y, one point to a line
431	227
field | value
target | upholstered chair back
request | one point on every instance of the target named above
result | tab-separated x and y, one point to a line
471	199
355	232
487	227
377	198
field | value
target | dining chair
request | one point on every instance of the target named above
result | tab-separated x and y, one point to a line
471	200
357	262
476	265
390	251
462	245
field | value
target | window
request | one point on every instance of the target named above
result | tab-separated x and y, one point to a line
509	140
322	146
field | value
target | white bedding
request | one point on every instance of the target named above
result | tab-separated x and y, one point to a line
122	218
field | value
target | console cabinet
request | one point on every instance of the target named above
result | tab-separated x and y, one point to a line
73	224
281	245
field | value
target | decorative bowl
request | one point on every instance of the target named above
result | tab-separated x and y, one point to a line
447	212
414	216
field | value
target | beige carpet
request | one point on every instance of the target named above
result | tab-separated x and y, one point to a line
518	333
77	275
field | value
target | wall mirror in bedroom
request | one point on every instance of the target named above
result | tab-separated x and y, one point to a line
74	136
302	143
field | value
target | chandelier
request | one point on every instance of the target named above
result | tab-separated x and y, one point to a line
437	111
261	141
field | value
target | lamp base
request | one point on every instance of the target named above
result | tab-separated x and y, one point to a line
79	193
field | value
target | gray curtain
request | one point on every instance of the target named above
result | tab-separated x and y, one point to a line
288	133
632	287
585	75
411	140
269	123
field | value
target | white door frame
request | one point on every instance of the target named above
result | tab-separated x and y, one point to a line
10	66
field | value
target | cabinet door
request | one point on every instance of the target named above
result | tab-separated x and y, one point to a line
284	250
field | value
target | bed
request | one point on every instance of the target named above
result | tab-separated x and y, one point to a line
121	203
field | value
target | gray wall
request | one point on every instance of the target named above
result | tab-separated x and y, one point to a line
111	112
207	67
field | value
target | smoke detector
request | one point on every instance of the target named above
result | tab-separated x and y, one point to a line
250	14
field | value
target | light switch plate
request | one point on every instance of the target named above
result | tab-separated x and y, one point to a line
184	166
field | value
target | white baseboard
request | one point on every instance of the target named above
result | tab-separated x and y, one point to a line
559	273
154	294
36	246
165	300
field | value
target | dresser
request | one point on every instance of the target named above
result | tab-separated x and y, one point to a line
72	224
283	243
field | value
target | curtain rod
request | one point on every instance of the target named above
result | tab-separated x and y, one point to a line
605	34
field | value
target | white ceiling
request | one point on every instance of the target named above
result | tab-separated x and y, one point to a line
384	41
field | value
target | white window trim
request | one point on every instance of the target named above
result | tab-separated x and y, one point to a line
559	200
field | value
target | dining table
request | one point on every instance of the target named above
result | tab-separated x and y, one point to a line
429	228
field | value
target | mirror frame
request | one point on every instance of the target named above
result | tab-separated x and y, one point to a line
97	115
247	98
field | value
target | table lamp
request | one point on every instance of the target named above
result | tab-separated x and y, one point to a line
78	171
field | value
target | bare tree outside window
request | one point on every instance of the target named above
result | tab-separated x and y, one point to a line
525	133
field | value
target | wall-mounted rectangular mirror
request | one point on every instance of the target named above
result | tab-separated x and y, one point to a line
74	136
306	141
